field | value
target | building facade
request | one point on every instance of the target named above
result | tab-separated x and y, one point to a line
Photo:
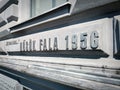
59	45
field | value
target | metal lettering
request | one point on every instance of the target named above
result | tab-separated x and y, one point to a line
50	48
94	40
41	44
67	41
83	41
74	42
55	44
30	45
34	42
44	46
23	45
26	46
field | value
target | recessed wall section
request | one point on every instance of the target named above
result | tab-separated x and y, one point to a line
2	21
12	13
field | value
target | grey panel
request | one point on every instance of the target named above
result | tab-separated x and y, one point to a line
82	5
4	33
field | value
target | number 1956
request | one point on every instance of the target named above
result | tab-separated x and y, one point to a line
83	41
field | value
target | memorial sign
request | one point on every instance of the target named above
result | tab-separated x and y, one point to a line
78	40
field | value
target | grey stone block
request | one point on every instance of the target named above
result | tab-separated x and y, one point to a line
4	33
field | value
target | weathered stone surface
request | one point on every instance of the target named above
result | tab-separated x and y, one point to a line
7	83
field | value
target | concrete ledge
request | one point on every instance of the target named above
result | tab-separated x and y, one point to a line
54	14
78	76
83	5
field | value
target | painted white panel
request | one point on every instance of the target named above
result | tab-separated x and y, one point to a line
24	10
